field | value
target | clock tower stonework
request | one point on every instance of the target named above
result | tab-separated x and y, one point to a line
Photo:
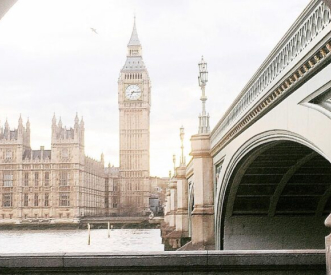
134	100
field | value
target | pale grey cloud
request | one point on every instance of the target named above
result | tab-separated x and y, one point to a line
51	61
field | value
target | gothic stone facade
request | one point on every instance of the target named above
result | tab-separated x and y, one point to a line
62	184
57	185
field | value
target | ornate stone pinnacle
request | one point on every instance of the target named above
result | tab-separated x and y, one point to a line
204	127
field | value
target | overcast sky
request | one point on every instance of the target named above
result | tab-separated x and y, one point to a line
51	61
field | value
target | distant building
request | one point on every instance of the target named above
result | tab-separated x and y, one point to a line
158	191
63	184
112	194
57	185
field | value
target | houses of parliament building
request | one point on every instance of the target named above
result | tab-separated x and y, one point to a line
63	184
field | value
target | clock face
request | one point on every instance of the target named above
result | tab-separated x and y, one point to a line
133	92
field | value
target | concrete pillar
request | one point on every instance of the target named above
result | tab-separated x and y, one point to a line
173	204
203	213
328	246
182	201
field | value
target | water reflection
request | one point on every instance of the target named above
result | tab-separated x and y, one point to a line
121	240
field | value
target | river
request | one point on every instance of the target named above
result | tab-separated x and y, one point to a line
42	241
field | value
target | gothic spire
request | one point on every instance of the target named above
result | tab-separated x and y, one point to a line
82	122
20	121
20	125
6	124
28	125
76	121
76	118
54	120
134	40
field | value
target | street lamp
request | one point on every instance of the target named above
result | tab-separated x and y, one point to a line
203	79
181	134
203	73
174	161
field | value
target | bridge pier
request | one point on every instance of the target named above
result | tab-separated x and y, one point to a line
168	225
175	230
203	214
165	228
171	243
182	203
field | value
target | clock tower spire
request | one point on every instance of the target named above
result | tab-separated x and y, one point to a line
134	46
134	100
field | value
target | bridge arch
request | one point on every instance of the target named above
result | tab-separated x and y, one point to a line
275	194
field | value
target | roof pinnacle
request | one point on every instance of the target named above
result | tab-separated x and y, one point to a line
134	40
76	119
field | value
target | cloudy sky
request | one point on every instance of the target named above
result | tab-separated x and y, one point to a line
51	61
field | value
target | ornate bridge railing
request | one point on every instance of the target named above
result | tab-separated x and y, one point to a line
303	49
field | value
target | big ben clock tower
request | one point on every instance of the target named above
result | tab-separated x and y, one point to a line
134	100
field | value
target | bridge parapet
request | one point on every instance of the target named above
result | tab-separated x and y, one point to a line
197	262
303	49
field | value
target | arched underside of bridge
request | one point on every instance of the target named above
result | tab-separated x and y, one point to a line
278	198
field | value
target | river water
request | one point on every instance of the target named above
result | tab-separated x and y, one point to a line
120	240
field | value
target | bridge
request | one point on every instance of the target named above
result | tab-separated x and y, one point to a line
120	221
271	151
261	179
113	220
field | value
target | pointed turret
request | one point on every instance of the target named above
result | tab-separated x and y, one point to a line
28	133
134	40
102	158
54	127
28	125
54	120
82	131
82	122
134	46
76	122
6	124
20	127
7	130
134	61
60	123
76	119
20	121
